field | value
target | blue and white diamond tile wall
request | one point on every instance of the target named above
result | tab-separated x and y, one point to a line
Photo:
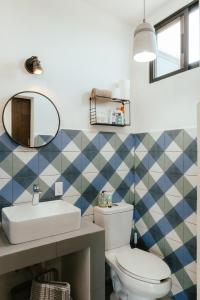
156	170
165	203
86	163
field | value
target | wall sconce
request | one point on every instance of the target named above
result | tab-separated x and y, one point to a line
33	66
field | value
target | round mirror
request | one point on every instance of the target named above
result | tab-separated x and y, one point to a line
31	119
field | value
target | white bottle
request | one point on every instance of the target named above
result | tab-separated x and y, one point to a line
112	117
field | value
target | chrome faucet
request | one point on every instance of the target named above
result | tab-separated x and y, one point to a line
36	194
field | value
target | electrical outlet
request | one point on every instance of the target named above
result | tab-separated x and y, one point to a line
58	188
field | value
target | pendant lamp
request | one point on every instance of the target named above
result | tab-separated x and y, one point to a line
145	44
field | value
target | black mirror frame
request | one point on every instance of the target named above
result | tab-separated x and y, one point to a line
33	92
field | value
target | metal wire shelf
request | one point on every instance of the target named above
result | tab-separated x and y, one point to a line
97	101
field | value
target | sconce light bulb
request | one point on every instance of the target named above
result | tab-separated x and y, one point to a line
37	70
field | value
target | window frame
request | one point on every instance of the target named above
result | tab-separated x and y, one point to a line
182	13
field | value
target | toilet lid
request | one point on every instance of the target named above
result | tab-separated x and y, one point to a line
143	264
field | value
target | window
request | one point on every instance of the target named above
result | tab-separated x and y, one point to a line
178	43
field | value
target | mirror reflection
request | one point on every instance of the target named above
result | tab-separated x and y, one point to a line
31	119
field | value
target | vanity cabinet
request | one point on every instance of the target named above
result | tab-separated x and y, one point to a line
80	254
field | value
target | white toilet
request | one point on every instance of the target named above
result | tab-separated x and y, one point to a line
136	274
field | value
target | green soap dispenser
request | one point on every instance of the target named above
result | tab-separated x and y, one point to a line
109	200
102	201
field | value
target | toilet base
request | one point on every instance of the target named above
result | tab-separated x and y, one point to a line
135	297
130	297
122	293
129	288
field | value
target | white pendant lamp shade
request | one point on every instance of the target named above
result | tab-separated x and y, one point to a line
145	44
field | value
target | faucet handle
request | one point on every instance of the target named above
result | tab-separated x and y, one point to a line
36	188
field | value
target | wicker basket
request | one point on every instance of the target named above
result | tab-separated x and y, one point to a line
50	291
46	288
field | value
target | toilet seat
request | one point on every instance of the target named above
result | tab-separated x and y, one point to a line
142	265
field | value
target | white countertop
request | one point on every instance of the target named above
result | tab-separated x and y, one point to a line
7	249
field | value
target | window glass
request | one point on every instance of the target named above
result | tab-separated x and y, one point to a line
194	52
178	39
169	49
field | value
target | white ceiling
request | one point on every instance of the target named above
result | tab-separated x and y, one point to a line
131	11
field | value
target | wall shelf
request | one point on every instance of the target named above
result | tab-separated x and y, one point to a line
104	105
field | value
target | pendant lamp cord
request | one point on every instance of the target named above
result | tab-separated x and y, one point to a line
144	19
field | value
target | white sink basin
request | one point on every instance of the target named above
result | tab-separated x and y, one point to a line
26	222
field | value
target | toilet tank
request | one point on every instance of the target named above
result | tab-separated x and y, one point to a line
117	222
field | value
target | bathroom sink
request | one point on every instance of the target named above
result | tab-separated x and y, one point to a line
23	223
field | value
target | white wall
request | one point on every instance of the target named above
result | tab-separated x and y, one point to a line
169	103
79	46
45	118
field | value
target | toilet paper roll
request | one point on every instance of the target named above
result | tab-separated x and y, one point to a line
116	93
125	89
